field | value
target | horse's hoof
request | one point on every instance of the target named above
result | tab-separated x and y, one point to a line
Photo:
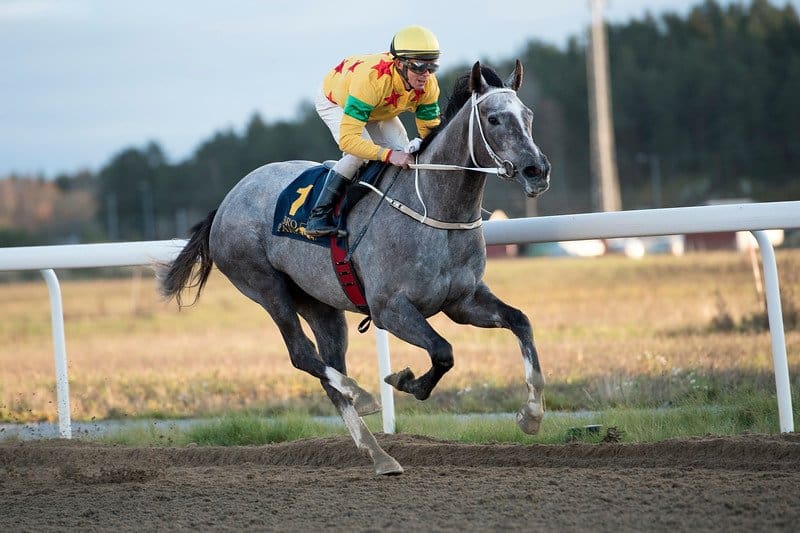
365	404
420	394
529	418
398	380
387	466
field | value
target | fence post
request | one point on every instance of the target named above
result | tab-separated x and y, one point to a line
384	369
775	315
60	354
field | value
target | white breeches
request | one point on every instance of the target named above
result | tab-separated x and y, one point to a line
387	133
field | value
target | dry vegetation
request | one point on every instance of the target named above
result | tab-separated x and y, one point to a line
610	331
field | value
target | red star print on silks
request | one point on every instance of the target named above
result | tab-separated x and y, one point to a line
383	67
417	95
392	99
340	67
352	67
329	96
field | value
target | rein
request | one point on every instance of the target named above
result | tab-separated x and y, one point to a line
504	169
439	166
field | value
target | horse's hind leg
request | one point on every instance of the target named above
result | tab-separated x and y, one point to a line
485	310
330	330
274	292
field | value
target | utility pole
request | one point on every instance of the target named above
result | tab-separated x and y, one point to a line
605	181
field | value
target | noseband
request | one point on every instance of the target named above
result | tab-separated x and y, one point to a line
505	168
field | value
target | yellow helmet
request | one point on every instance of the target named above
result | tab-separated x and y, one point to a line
415	42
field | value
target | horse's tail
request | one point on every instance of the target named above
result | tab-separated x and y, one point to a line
181	273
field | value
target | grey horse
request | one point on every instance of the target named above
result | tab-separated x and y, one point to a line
414	263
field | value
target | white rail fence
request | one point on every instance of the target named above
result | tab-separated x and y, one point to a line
755	217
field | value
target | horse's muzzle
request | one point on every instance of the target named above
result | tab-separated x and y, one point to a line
537	178
537	188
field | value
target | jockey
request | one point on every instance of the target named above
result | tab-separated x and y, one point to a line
360	101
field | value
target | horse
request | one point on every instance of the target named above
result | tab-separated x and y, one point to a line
413	265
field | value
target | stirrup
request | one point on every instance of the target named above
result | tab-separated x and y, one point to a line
329	229
336	232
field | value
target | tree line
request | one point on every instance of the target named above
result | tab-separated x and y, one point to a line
705	106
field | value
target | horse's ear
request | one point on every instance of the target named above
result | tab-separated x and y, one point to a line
514	80
476	82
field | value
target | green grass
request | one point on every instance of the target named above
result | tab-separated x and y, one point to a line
751	413
250	429
242	429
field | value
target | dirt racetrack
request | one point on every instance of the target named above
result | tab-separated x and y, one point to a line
740	483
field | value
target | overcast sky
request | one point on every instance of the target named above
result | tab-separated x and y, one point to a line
82	79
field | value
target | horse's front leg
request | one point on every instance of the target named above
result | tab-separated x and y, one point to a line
404	321
485	310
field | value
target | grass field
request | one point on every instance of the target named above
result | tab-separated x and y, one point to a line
611	332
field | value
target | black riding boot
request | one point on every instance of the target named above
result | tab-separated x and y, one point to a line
320	222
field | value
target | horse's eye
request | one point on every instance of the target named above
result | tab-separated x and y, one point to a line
493	121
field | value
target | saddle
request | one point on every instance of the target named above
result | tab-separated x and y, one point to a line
294	207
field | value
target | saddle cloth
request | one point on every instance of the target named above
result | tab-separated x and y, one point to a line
297	200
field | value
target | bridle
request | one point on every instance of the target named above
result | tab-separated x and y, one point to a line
504	168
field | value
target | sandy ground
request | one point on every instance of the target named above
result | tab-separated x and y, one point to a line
732	484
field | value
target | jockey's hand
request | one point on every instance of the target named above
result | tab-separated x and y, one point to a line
413	146
400	159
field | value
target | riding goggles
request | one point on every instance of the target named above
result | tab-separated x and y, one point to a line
420	67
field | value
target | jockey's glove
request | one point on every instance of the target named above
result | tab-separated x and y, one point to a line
412	146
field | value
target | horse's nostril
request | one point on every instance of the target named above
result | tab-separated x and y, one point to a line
533	171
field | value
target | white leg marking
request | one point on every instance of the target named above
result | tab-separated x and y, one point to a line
382	461
528	369
353	424
533	378
337	381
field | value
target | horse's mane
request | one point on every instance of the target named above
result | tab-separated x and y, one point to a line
458	97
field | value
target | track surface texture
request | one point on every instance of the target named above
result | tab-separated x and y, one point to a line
733	484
